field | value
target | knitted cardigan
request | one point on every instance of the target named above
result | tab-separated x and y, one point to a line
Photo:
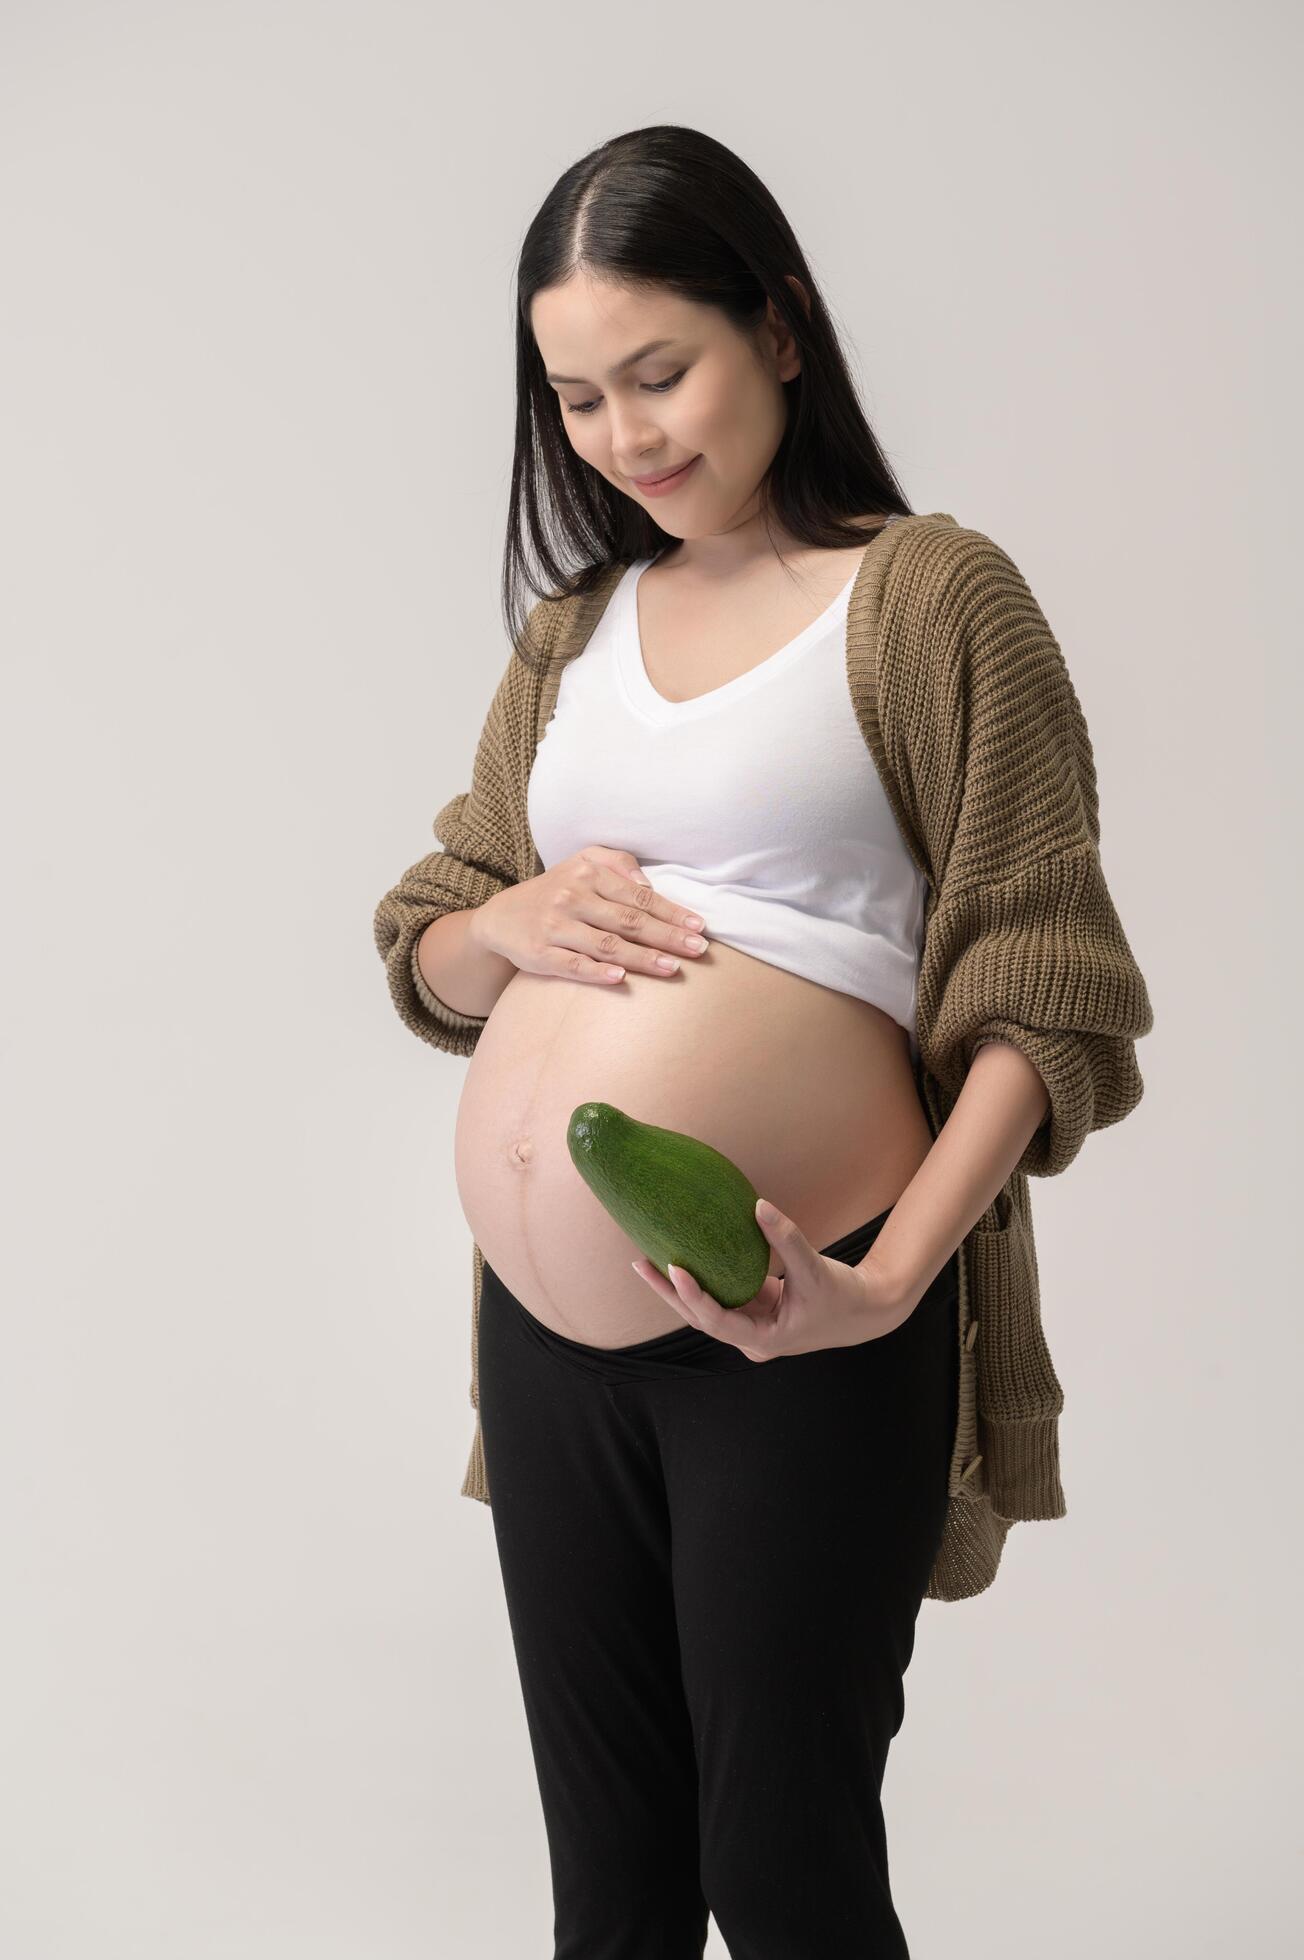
968	710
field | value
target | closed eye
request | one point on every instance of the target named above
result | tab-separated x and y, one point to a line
656	388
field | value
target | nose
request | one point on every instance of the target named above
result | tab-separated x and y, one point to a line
635	446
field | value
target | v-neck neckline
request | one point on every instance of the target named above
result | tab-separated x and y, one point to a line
654	706
573	618
571	625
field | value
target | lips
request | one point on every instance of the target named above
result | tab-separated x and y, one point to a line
650	482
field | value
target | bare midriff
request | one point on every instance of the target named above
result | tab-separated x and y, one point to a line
808	1090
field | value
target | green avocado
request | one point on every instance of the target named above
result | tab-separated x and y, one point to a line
680	1201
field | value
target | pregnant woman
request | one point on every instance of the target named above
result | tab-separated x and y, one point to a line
693	879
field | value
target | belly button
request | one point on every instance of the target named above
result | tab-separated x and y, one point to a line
520	1150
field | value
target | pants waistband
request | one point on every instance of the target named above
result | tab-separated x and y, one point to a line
685	1350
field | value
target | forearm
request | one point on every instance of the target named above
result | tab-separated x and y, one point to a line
1001	1105
458	967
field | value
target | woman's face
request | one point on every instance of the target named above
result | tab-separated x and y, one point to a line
705	397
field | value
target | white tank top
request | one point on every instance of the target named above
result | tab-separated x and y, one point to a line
756	804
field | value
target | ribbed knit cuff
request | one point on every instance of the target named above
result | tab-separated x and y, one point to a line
449	1017
1021	1465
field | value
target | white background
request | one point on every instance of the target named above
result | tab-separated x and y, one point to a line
258	1694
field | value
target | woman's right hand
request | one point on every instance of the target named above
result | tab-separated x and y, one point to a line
589	918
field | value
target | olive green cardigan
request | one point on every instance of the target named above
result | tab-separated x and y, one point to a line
970	715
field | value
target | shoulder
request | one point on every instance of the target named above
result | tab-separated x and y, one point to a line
947	571
958	613
980	720
559	623
965	656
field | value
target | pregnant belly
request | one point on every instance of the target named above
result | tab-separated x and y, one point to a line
808	1090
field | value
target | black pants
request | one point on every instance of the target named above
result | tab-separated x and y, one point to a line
713	1568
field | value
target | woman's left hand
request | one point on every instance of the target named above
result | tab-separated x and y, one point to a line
811	1303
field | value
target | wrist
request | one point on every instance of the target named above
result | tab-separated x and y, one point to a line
479	928
889	1290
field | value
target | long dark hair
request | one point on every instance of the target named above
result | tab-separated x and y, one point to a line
669	207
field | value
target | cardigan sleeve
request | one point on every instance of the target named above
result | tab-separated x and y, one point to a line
476	829
1025	944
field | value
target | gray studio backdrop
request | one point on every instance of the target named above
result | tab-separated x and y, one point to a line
259	1699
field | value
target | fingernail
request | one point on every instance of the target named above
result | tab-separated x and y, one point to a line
694	919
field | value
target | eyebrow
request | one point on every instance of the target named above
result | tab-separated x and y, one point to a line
648	347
